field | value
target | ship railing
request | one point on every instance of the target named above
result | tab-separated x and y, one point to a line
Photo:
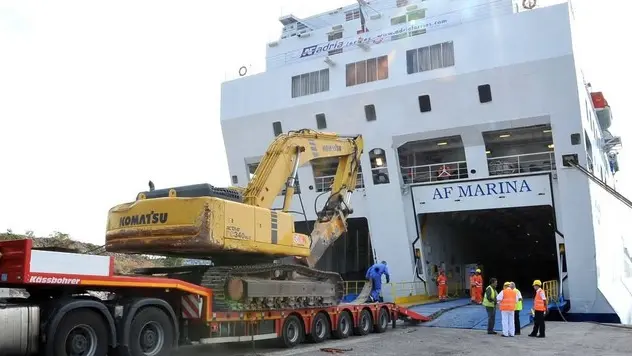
434	172
406	293
400	292
524	163
551	290
323	183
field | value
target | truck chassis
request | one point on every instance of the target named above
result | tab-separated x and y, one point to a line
136	316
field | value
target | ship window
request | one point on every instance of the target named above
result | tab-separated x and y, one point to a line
367	71
379	169
427	58
408	17
424	103
352	15
332	37
484	93
277	128
321	121
234	179
369	112
576	139
310	83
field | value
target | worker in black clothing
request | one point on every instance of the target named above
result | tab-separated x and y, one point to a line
489	302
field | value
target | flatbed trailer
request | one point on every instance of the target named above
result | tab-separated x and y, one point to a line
146	315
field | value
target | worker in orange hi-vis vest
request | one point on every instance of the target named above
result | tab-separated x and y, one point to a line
472	286
540	304
442	284
508	299
478	287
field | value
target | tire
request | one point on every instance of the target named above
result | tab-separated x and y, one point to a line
364	323
293	332
321	328
151	333
344	326
81	331
381	323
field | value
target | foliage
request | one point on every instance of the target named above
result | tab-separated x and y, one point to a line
123	263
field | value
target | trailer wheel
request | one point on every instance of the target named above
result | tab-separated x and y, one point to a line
320	329
81	332
364	323
345	324
151	333
293	332
382	321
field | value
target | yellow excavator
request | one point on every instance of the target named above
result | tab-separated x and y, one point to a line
246	239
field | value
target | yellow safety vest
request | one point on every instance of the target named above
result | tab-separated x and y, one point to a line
519	303
487	303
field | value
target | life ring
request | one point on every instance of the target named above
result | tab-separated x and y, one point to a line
242	71
529	4
444	171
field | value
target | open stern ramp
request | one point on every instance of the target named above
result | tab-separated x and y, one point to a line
506	226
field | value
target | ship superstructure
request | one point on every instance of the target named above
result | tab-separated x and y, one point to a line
485	144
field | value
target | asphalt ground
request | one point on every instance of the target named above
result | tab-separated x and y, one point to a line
562	339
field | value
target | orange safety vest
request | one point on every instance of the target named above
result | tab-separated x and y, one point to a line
539	300
472	281
478	281
509	300
442	280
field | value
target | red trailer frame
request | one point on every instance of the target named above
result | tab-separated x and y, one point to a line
189	305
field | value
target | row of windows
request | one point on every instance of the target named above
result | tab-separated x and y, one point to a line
427	58
310	83
321	120
367	71
437	56
484	96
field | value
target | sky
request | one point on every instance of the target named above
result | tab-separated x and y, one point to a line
96	98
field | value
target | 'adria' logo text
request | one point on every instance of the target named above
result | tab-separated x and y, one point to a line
144	219
54	280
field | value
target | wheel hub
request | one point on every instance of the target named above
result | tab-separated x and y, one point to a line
81	341
151	339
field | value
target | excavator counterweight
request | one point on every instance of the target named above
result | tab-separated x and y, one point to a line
241	234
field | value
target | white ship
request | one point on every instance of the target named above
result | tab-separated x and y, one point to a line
484	144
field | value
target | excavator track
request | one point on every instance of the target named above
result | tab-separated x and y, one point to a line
274	285
218	278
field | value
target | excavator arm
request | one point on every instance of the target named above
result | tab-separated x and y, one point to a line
241	233
279	168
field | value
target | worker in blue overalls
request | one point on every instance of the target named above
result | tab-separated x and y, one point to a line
374	274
